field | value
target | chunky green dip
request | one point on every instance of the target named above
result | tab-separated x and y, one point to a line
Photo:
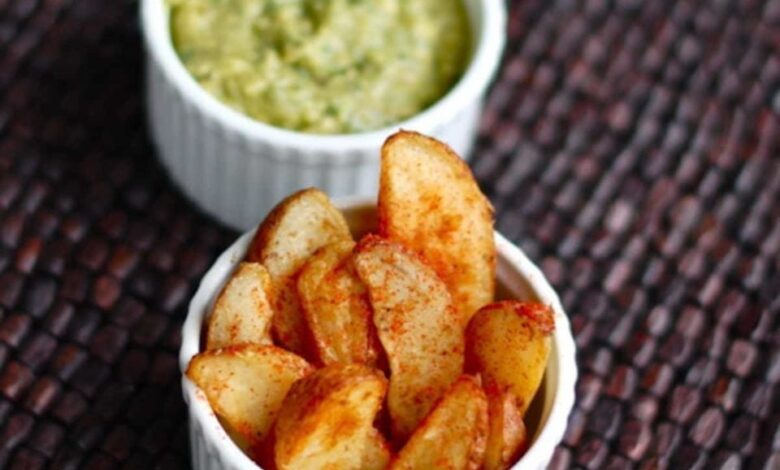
323	66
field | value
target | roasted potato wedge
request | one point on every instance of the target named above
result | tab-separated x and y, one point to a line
242	312
453	435
336	307
292	232
377	453
326	421
245	386
508	344
417	326
430	202
507	439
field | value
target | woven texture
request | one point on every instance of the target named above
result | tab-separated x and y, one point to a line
630	147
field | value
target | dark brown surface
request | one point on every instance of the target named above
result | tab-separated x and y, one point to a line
631	148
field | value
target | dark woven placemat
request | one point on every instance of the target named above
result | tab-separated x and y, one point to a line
630	147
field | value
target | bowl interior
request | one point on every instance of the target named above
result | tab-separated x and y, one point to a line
553	397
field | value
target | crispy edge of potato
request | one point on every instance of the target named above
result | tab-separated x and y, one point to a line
467	263
298	226
231	322
378	454
493	350
252	435
322	295
343	399
447	419
507	438
445	359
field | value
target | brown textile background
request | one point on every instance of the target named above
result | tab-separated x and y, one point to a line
631	147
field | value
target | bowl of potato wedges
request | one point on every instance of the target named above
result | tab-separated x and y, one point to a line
399	333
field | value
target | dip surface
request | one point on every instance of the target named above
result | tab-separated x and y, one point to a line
323	66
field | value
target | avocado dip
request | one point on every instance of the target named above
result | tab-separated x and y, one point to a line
323	66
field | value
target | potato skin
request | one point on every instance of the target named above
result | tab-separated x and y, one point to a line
430	202
245	386
326	420
453	435
336	307
508	344
417	326
242	312
297	227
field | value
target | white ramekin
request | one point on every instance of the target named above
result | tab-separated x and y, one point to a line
518	278
237	168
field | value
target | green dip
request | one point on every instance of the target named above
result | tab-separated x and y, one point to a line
323	66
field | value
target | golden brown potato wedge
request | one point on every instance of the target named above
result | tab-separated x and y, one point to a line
508	344
430	202
245	386
242	312
377	453
326	421
292	232
336	307
417	326
453	435
507	439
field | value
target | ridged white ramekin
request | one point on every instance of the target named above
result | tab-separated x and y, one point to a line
518	278
237	168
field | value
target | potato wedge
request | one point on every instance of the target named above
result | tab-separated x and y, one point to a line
508	344
507	439
336	307
453	435
326	421
242	312
377	454
293	231
430	202
417	326
245	386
